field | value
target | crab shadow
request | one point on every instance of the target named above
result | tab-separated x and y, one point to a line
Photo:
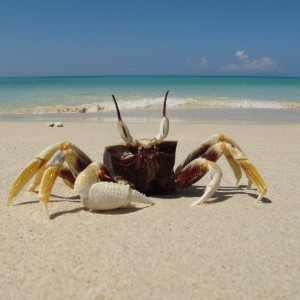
222	194
119	211
76	199
62	198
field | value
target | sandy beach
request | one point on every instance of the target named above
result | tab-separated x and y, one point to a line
229	248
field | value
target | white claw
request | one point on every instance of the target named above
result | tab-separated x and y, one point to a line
216	176
109	195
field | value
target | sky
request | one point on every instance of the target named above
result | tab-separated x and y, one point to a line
154	37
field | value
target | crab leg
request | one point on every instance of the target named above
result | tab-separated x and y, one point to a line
77	162
199	151
47	184
37	179
67	176
37	167
238	160
32	168
194	171
219	144
235	167
249	170
65	173
53	170
216	176
214	153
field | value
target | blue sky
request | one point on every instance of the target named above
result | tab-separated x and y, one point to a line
137	37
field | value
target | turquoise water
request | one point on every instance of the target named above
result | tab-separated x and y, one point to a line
46	94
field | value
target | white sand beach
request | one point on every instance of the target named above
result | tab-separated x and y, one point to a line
228	248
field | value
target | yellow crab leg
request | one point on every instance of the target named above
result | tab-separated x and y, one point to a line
26	174
235	167
49	177
47	184
254	177
37	179
32	168
250	171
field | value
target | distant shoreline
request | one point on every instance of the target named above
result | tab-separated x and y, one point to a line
176	115
137	75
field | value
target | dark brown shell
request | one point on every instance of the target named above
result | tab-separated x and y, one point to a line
149	170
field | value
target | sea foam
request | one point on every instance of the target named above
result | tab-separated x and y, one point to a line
182	103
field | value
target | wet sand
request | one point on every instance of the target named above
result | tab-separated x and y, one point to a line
176	115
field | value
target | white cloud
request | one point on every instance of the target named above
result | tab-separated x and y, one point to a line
242	55
262	63
204	62
244	63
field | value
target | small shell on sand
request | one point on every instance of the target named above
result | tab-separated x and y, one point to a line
55	124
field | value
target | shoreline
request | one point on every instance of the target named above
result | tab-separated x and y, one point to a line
176	115
155	103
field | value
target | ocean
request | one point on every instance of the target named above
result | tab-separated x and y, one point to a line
38	95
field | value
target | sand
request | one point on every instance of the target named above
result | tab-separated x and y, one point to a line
229	248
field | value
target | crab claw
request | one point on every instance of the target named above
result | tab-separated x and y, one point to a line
109	195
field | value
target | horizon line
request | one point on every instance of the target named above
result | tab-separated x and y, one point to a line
149	75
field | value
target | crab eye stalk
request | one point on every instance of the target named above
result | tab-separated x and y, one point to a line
123	129
164	124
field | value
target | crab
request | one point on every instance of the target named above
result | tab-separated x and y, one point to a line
134	170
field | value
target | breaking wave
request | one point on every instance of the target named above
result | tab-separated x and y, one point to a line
182	103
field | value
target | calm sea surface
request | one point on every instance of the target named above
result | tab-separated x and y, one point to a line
54	94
